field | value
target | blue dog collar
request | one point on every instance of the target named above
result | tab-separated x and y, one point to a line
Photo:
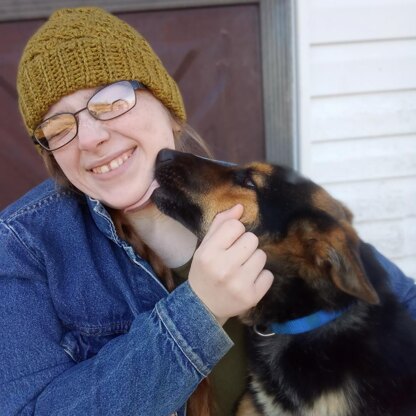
302	325
305	324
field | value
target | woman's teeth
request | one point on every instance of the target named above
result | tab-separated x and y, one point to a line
114	164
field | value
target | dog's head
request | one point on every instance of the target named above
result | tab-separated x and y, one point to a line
311	246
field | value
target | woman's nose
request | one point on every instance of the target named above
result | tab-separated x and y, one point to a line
91	132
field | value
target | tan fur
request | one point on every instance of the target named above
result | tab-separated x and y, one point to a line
260	172
334	403
225	197
246	407
322	200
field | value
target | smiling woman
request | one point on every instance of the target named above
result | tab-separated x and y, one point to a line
99	323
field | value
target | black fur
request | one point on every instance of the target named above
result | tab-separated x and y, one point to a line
373	346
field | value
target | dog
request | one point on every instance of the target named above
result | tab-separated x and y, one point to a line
329	338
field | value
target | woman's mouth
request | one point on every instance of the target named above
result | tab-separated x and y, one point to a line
113	164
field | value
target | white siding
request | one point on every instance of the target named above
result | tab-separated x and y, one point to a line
357	94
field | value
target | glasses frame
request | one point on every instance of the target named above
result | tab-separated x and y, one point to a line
43	142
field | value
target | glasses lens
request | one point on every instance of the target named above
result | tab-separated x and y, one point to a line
57	131
112	101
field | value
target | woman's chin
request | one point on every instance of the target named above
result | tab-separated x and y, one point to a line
139	206
145	200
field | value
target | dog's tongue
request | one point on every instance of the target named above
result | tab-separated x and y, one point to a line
144	200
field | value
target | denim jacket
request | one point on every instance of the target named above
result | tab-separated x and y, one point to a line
86	328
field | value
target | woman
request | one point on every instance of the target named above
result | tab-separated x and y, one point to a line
90	321
87	325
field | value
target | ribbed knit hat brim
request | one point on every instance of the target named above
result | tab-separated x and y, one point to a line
85	48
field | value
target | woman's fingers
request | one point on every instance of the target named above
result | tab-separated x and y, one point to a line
226	226
253	280
262	284
227	271
244	247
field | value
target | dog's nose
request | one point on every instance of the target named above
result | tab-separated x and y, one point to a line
166	155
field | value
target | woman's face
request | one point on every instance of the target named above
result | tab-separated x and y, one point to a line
113	161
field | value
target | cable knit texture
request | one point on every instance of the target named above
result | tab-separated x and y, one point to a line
84	48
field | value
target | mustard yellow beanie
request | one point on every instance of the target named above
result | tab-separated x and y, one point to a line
84	48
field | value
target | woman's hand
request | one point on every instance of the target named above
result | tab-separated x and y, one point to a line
227	271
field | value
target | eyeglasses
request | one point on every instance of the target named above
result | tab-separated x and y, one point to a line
109	102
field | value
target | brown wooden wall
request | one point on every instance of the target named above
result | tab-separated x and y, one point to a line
213	53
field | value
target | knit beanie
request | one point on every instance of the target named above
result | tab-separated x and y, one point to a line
84	48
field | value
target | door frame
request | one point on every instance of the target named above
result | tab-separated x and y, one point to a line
278	56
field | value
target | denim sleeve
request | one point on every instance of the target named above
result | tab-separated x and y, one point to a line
149	371
404	287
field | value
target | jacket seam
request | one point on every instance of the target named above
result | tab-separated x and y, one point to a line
152	275
114	235
45	200
19	240
100	211
178	344
92	330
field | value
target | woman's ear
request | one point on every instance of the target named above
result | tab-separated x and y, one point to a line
177	134
176	127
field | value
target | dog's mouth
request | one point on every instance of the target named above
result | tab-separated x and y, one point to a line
172	197
175	204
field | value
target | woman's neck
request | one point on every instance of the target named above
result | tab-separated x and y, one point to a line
169	239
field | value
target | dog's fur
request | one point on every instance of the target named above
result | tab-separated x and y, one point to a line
362	363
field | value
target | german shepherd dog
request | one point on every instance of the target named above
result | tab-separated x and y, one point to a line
329	338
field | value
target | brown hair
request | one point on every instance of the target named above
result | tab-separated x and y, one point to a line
186	139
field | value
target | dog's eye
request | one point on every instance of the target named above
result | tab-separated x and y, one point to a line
249	183
243	178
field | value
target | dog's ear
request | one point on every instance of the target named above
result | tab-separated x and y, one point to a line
334	252
347	273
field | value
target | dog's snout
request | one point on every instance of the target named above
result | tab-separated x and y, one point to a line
165	156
